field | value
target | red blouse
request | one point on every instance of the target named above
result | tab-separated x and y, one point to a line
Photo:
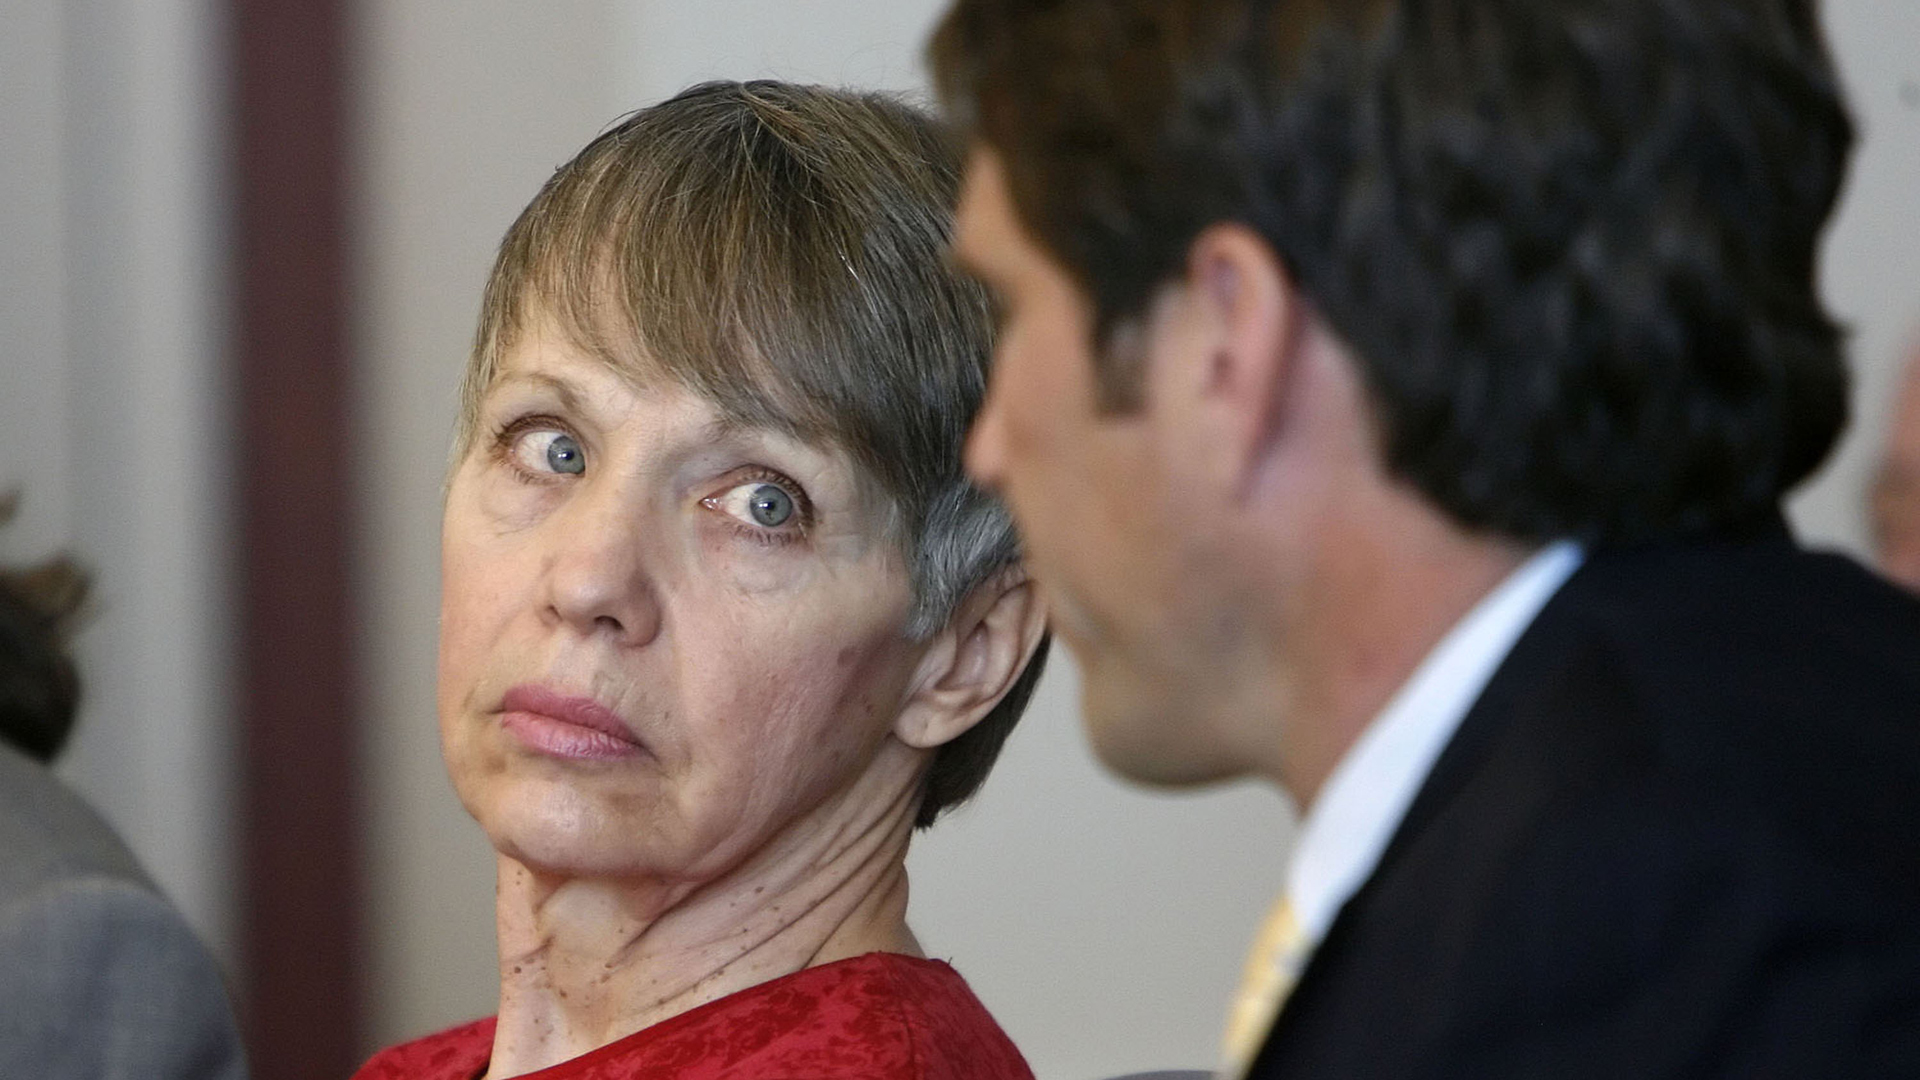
881	1016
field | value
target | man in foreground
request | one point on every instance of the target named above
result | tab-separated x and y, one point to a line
1397	399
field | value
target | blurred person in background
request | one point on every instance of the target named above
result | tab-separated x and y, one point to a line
1895	501
1396	398
723	621
99	976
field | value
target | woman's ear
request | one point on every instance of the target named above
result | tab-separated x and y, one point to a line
974	661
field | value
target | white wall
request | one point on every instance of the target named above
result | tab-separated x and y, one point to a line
33	386
1871	273
111	403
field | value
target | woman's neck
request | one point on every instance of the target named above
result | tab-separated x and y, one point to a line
586	961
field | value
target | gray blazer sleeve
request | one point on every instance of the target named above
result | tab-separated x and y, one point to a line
101	980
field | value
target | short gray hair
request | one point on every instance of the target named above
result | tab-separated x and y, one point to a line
782	251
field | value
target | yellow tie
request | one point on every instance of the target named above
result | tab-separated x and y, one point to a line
1273	966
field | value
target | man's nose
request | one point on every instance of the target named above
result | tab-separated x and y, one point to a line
986	444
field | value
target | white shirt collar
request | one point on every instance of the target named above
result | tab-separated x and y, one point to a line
1366	796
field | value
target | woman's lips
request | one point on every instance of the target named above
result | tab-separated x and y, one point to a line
559	725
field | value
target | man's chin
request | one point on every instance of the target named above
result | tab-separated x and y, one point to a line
1146	736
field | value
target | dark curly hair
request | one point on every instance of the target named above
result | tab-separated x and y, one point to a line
39	687
1571	242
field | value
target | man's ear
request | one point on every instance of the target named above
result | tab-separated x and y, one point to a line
1248	322
974	661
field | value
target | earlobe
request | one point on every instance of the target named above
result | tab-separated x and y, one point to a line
974	661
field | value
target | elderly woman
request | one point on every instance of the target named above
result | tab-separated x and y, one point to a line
722	620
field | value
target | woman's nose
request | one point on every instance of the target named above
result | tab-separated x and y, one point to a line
599	578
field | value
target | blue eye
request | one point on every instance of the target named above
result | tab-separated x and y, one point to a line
564	456
766	505
770	506
545	450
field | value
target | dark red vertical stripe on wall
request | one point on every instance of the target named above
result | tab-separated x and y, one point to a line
300	900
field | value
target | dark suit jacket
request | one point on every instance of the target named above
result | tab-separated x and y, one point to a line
1678	835
100	978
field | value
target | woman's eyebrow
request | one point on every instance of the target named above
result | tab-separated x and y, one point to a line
733	430
821	461
570	397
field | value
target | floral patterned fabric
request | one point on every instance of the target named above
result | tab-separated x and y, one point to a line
881	1016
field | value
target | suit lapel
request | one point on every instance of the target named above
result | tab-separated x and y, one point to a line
1551	661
